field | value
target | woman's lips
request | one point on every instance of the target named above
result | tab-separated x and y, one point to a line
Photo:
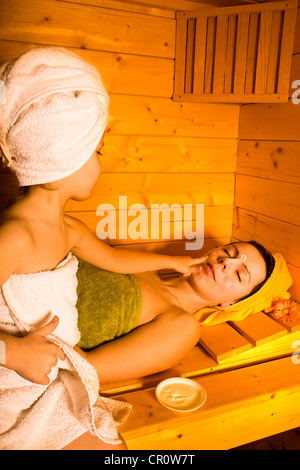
207	269
210	271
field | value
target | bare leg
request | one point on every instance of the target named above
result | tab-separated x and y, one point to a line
150	348
89	442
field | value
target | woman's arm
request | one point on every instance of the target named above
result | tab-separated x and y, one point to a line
89	248
148	349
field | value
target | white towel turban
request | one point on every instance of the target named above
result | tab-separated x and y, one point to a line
53	113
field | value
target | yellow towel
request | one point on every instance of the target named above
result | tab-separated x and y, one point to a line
276	286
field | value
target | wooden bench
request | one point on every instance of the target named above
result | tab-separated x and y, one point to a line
251	373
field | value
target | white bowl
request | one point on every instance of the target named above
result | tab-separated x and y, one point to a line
180	394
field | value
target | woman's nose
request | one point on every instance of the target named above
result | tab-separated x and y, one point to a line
226	263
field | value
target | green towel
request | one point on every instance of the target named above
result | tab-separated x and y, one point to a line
109	305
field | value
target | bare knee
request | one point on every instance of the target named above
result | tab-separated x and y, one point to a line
192	327
184	323
182	333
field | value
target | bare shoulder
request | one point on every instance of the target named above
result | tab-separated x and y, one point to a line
15	233
15	240
76	229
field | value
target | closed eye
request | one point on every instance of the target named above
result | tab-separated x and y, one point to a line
244	265
237	272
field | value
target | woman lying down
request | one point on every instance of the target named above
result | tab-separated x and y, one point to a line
52	124
157	321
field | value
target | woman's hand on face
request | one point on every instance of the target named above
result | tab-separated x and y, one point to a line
187	265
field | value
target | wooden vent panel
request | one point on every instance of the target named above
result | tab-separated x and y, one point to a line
236	54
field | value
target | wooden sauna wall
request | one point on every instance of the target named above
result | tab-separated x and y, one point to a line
156	150
267	193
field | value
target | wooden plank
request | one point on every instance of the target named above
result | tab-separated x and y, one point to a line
169	247
179	77
132	74
218	222
233	98
280	347
276	35
286	50
280	201
274	159
295	74
220	54
162	154
277	235
209	189
209	55
132	115
242	405
145	226
263	52
233	10
295	289
290	326
259	329
241	53
230	56
270	122
121	73
252	53
296	49
87	27
126	6
200	50
190	54
179	248
198	363
183	5
222	341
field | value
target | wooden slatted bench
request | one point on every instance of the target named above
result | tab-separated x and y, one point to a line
252	382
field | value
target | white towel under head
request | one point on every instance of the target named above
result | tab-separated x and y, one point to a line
53	113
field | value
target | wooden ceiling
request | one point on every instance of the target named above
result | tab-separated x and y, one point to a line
176	5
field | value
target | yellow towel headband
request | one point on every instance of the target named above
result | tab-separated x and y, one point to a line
276	286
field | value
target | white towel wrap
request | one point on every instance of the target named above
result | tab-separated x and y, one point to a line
53	113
